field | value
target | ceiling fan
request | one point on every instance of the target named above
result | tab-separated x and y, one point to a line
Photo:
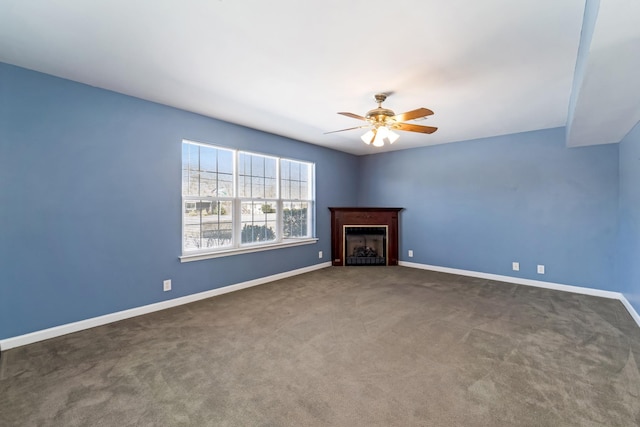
382	121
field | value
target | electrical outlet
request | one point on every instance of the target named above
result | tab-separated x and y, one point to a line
319	254
515	266
540	269
166	285
410	253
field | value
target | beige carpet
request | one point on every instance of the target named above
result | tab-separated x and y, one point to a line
342	346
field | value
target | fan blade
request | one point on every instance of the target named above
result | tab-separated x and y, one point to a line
342	130
414	128
413	114
355	116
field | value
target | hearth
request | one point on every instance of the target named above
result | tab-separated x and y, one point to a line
364	236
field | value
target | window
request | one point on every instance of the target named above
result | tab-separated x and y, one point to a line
233	201
258	194
295	188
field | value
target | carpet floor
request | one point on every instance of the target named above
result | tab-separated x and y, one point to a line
342	346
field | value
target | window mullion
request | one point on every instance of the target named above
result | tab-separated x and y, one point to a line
279	213
280	220
237	221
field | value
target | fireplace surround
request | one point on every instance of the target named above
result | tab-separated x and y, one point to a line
364	236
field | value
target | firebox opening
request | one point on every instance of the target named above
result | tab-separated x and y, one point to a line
365	245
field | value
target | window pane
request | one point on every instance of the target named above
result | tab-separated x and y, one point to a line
305	172
244	187
285	189
191	225
295	170
208	184
254	172
217	228
258	221
225	185
191	236
185	182
190	169
207	224
295	219
244	175
203	168
257	187
208	227
208	159
270	168
294	180
295	190
257	165
225	162
244	163
285	167
270	188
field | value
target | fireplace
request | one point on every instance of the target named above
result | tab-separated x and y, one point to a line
365	245
364	236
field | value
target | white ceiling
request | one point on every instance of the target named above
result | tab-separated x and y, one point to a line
485	68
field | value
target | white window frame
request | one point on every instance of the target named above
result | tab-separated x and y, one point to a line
237	247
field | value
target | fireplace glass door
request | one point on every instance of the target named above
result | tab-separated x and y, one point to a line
365	245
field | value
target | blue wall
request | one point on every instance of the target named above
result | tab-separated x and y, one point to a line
629	220
479	205
90	210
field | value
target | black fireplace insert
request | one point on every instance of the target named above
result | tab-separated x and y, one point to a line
365	245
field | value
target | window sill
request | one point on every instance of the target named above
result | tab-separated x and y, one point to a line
247	250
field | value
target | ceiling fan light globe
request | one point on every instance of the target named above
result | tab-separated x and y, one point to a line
367	137
383	132
379	141
392	136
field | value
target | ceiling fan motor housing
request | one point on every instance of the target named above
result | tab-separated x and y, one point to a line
380	115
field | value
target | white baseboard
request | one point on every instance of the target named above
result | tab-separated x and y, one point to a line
529	282
7	343
632	311
516	280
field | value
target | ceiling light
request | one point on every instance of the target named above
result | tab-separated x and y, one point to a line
381	135
393	137
368	137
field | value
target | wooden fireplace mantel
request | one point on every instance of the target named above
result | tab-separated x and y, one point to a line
363	216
